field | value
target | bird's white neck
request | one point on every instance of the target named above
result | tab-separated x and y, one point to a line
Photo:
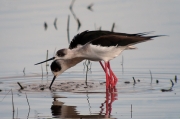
76	53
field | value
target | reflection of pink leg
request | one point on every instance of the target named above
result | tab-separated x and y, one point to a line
107	103
113	96
115	93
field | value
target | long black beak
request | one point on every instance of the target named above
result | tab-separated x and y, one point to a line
45	61
52	82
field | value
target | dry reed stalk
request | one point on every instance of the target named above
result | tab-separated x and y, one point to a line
20	85
12	100
68	29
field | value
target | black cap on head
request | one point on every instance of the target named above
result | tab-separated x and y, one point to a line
61	53
55	66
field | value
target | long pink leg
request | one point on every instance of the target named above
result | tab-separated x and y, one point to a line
114	76
103	67
110	73
107	75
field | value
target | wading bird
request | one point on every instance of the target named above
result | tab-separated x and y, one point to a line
95	46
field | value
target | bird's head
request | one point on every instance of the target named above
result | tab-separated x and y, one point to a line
60	63
57	68
63	54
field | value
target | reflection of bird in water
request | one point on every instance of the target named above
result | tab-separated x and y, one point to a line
55	25
58	109
96	46
45	26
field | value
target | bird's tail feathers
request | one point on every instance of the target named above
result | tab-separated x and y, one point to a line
131	47
145	33
155	36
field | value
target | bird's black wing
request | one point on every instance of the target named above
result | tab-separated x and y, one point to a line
119	40
87	36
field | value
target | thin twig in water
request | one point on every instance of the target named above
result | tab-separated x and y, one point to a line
24	70
84	66
42	70
172	84
151	76
55	25
17	114
79	23
71	9
12	100
27	101
5	95
112	29
122	64
54	52
175	78
170	89
96	27
87	68
131	110
71	5
45	26
68	29
47	62
20	85
28	105
90	7
89	104
134	80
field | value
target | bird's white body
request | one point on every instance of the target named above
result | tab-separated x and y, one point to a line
96	52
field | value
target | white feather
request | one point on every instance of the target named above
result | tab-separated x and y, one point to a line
98	53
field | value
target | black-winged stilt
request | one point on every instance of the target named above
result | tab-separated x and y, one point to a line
95	46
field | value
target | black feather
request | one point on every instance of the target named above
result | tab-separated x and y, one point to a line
109	38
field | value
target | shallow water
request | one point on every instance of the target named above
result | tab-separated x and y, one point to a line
70	97
24	42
